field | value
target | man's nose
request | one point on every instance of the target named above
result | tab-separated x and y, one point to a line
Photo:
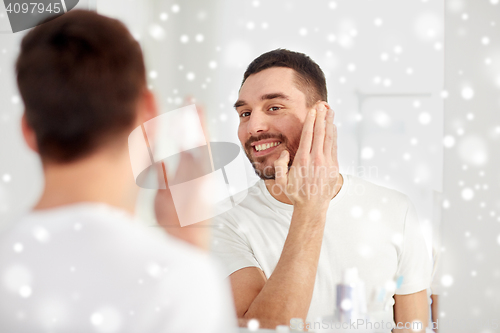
257	123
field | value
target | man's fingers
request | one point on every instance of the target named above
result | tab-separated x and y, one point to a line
281	169
161	175
163	194
334	144
307	134
185	169
329	133
164	207
319	130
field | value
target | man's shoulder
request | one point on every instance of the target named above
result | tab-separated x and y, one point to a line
362	188
110	233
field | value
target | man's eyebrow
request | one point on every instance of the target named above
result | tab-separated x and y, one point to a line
273	96
239	103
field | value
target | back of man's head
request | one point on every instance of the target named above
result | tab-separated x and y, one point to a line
80	77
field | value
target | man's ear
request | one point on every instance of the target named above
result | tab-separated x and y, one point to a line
327	106
148	109
318	103
28	134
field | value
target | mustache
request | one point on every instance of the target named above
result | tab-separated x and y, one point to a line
280	137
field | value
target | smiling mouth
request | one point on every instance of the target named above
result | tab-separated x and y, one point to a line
266	146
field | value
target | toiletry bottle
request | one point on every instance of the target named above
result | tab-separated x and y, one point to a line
351	299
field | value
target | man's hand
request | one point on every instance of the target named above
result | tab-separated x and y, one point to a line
166	215
312	178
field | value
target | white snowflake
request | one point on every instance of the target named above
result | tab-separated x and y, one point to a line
467	194
346	304
447	280
15	99
424	118
25	291
6	178
467	93
448	141
156	31
175	8
253	325
41	234
367	153
18	247
96	319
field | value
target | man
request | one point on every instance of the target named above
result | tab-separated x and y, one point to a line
80	262
303	224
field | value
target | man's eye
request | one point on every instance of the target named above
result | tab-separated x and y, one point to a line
274	108
244	114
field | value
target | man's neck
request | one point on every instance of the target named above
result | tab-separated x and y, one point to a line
281	196
100	178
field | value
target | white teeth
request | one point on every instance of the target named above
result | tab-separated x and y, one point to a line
266	146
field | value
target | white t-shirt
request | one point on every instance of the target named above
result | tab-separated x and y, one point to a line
89	267
368	226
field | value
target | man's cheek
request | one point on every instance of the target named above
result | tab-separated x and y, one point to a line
241	135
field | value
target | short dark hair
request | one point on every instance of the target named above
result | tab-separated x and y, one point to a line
80	76
310	79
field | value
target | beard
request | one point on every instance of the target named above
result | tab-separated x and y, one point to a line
265	170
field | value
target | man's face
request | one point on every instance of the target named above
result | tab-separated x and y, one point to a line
272	111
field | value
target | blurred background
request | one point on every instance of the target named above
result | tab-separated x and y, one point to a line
414	84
